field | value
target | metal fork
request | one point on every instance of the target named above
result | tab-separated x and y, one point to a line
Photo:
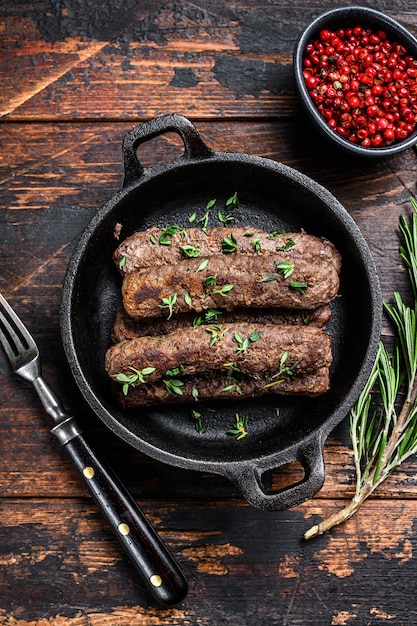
159	572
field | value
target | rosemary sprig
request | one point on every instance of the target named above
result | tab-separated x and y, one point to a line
383	422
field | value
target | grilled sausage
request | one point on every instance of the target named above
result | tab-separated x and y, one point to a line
125	327
229	282
243	347
156	246
219	386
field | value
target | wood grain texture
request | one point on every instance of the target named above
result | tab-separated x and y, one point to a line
203	59
76	76
329	581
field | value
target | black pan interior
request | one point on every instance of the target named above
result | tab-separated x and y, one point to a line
269	198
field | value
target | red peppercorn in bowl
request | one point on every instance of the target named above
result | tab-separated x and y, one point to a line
356	74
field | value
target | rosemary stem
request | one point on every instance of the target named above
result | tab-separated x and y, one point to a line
342	515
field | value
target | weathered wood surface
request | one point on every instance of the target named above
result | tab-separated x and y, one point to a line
75	78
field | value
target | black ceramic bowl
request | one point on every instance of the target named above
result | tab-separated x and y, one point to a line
345	18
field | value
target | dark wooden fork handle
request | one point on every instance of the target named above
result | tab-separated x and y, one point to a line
158	571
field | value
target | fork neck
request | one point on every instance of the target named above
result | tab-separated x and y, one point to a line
50	401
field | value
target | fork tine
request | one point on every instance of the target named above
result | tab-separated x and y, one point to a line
14	336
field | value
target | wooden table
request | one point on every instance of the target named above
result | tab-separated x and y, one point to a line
75	77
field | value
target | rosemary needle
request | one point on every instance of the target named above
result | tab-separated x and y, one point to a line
383	422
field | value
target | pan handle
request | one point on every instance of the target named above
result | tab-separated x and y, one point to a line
194	146
248	479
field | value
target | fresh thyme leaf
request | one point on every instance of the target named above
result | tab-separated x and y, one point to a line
257	244
188	300
243	344
268	278
229	244
216	333
153	240
283	373
233	201
383	422
192	218
210	204
122	261
129	380
211	315
204	221
287	246
176	371
274	234
300	286
168	303
210	280
224	290
202	265
199	423
225	219
285	268
165	238
240	427
190	251
174	386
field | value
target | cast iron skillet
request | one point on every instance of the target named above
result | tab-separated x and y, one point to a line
272	196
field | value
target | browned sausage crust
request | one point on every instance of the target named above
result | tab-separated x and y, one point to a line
244	347
168	246
126	327
229	282
218	386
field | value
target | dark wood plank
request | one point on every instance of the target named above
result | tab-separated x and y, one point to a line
137	60
244	566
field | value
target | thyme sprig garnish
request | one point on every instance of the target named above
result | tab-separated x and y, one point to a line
240	427
173	386
233	202
229	244
216	333
243	344
224	290
165	238
285	269
190	251
200	428
129	380
302	287
287	246
208	317
284	372
168	303
383	422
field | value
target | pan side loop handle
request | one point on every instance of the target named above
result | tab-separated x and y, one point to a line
249	480
194	146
